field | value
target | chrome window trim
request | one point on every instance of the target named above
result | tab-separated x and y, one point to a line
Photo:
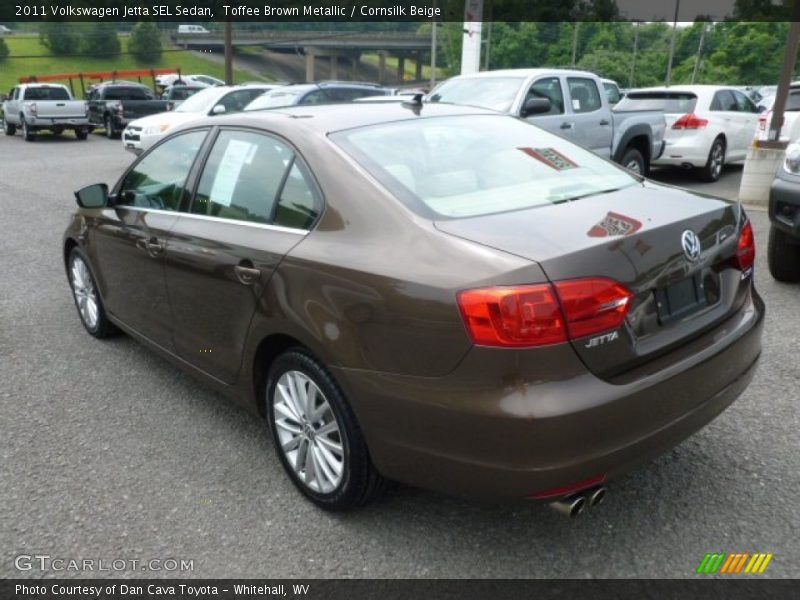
267	226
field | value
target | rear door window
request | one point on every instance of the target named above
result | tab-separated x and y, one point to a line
724	101
584	94
256	178
743	103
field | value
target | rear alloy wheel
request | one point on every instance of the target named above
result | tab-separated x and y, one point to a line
634	161
8	128
716	160
110	133
87	298
318	440
26	132
783	256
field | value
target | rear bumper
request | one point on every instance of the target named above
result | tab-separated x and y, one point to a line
683	151
493	430
66	123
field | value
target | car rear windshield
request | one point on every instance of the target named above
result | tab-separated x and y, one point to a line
466	166
494	93
127	93
46	93
669	102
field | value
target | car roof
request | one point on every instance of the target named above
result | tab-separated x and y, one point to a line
330	118
525	73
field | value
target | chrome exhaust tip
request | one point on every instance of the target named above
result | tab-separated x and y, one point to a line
571	506
596	496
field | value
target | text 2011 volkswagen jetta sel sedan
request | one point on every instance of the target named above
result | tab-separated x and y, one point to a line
436	295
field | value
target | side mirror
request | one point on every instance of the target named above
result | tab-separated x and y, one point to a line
535	106
218	109
3	97
92	196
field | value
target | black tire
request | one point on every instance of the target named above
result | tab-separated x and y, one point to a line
103	328
29	135
81	134
359	482
712	170
8	128
57	131
634	161
783	256
109	125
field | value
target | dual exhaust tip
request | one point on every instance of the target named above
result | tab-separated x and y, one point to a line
573	505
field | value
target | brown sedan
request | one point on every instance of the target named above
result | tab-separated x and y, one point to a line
436	295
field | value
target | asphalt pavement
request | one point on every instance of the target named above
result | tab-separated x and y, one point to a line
107	452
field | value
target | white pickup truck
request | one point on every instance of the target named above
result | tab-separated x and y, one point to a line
35	107
573	104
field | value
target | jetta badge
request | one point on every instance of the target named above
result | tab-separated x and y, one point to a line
691	245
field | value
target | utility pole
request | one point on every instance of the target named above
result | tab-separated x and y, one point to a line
488	46
672	42
699	51
635	49
575	41
434	27
228	53
789	60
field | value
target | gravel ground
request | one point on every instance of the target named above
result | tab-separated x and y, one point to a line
108	452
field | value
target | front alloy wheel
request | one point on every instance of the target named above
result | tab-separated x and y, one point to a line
87	298
315	432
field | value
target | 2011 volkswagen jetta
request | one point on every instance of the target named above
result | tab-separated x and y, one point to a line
437	295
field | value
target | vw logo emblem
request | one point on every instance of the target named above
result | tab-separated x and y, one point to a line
691	245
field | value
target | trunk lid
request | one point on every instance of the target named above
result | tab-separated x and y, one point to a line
635	237
60	109
136	109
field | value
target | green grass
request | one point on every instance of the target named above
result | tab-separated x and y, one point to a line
11	69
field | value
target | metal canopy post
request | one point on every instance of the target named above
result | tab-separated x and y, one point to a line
789	60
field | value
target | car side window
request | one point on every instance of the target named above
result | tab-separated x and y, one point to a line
743	103
584	94
550	88
317	97
255	177
297	205
158	181
236	100
724	101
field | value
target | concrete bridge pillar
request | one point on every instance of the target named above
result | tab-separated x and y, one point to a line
310	54
382	67
354	67
418	72
401	68
334	67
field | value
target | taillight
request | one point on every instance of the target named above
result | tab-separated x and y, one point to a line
690	121
543	314
592	305
34	110
746	248
527	315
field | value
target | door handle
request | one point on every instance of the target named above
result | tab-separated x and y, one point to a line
566	125
152	246
605	122
247	275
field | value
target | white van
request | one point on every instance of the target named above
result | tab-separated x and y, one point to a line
192	29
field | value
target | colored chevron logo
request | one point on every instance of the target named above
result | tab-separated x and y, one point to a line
734	563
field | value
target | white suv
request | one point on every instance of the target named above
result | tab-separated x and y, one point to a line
707	125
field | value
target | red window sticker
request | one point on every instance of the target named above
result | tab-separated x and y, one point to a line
614	224
551	157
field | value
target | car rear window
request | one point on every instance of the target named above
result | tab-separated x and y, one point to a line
127	93
46	93
466	166
669	102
